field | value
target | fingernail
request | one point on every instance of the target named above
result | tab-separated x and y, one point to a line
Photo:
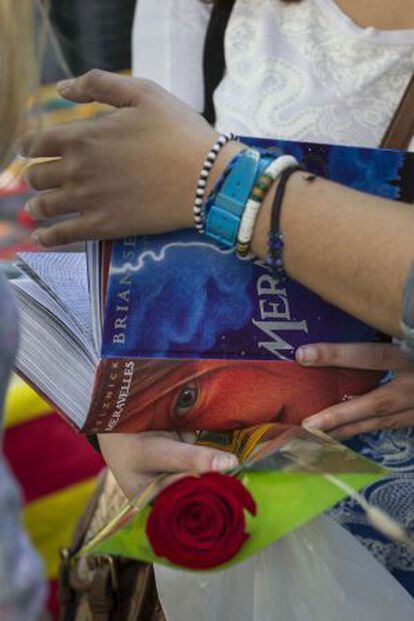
306	354
36	238
224	462
29	209
312	424
63	85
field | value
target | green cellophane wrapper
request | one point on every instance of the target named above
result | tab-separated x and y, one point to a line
292	475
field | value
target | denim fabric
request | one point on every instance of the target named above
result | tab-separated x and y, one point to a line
22	586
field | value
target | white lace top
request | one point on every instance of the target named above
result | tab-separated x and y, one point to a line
296	71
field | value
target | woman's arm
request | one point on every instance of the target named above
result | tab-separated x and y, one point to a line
353	249
135	172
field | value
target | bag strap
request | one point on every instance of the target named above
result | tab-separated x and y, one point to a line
67	596
399	132
401	128
214	64
115	588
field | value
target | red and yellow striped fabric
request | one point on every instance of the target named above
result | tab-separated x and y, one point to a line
56	469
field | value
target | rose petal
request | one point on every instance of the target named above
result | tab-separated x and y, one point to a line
199	522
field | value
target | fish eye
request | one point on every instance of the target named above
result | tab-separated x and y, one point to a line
185	400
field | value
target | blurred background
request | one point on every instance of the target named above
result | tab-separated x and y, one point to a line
87	34
91	33
55	466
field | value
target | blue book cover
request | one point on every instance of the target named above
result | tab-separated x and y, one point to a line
194	338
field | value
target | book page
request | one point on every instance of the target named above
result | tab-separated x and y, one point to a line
53	355
93	254
64	276
53	312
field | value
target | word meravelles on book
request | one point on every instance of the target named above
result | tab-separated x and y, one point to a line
173	332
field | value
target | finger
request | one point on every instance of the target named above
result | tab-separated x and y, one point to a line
48	205
54	141
134	486
165	455
103	87
75	229
44	143
395	421
136	458
380	402
374	356
45	176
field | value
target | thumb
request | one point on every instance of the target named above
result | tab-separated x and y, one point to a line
374	356
103	87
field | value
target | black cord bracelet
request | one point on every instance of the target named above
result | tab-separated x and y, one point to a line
275	240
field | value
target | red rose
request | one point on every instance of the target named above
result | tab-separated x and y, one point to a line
199	522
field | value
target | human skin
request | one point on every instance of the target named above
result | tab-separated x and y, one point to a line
381	14
391	405
330	231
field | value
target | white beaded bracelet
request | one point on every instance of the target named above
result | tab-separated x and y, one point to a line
255	201
198	209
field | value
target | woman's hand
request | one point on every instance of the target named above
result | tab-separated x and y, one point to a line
134	459
388	407
132	171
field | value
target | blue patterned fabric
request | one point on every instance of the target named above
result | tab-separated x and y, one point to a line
394	494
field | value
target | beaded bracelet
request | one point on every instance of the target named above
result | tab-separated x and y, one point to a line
198	208
275	240
257	196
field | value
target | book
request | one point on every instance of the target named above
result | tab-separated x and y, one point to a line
173	332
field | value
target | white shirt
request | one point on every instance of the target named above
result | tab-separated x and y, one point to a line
295	71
